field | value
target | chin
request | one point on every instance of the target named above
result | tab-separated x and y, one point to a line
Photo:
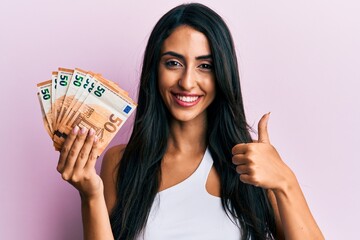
188	116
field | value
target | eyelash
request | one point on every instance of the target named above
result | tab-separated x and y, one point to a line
206	66
173	64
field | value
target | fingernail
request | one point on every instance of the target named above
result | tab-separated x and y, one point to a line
75	129
268	116
83	130
96	139
91	132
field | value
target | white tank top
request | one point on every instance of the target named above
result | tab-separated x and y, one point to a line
187	211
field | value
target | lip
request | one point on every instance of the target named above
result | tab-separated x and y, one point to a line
186	94
186	104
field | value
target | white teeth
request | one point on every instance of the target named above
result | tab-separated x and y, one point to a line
187	98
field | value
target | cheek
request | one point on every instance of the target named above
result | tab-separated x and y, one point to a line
210	86
163	87
167	79
211	90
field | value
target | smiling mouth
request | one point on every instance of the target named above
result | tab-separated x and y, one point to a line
187	99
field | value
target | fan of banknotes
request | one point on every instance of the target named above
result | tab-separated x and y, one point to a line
85	99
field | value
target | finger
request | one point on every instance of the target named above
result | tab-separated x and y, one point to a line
239	159
85	151
240	148
94	154
66	148
73	154
248	179
262	129
242	169
245	178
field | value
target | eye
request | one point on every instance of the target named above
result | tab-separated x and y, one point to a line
206	66
172	64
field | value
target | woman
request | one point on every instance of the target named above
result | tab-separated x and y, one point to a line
190	169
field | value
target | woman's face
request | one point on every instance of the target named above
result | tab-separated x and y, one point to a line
186	77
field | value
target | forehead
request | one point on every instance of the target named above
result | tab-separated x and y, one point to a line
187	41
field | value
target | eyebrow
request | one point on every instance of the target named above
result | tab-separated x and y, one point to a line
177	55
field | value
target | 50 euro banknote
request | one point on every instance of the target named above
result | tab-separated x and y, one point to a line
85	99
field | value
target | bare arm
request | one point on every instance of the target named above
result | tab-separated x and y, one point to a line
259	164
279	226
96	223
77	166
297	220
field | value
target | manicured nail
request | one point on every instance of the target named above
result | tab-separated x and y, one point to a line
91	132
96	139
83	130
268	116
75	129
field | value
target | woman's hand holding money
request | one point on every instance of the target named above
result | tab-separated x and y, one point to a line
77	166
77	162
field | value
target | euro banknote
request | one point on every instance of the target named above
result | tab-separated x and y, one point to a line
75	97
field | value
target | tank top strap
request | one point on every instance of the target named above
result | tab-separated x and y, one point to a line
196	181
205	167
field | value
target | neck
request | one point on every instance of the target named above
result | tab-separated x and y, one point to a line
188	136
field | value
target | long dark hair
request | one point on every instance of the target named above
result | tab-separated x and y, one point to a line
139	171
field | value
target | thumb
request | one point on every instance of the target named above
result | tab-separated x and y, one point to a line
263	135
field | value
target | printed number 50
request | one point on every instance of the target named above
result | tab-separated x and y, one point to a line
46	94
63	80
111	126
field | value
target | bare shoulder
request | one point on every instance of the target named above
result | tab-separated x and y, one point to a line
109	170
112	157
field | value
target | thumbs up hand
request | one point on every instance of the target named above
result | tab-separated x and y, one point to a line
259	163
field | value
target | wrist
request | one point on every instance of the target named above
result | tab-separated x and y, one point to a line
93	193
93	198
288	185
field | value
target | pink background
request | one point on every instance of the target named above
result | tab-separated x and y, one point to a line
299	60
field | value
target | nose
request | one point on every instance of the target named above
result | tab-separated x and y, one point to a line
187	80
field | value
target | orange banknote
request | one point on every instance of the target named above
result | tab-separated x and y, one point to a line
85	99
